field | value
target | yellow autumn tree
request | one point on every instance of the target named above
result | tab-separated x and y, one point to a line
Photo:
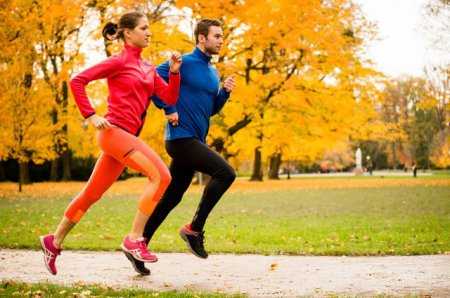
57	44
25	101
298	68
438	89
440	156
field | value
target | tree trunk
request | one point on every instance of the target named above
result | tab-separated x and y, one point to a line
2	171
54	170
24	174
201	178
257	174
288	170
274	166
65	158
65	151
394	156
54	163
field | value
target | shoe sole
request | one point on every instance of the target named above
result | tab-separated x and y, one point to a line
133	263
183	236
41	239
139	259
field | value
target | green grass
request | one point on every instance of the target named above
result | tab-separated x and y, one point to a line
356	221
17	289
441	173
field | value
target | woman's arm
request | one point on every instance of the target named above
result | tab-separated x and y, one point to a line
78	84
169	93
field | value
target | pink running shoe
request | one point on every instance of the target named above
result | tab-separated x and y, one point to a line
50	252
138	249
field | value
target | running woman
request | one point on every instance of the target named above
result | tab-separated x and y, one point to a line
131	81
188	124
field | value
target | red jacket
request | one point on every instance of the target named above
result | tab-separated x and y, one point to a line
131	82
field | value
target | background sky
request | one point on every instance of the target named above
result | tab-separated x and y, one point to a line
403	47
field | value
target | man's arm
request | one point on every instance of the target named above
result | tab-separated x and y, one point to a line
220	100
224	94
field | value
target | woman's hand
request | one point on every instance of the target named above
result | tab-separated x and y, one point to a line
175	62
99	122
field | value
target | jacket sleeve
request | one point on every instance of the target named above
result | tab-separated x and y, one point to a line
167	92
163	72
78	84
220	100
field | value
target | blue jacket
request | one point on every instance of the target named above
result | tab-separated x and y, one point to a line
200	97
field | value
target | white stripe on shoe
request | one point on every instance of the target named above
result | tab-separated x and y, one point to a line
48	255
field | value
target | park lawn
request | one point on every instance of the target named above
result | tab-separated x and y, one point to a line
19	289
300	217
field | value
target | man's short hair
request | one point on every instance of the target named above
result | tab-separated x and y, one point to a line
203	27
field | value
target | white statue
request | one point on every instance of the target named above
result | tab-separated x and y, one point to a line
358	159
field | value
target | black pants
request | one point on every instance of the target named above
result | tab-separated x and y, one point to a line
190	155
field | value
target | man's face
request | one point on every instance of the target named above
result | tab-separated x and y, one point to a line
214	41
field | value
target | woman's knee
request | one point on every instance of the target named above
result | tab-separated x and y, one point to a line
161	179
165	178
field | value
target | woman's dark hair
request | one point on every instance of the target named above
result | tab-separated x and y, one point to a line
113	31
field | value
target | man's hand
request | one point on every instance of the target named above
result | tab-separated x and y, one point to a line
173	119
99	122
175	62
229	83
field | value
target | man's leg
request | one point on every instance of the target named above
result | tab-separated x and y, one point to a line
205	160
181	179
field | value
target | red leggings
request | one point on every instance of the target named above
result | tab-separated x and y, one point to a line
121	149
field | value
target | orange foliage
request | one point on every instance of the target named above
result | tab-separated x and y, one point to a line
134	186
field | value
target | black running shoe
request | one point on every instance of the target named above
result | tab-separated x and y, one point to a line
194	241
138	266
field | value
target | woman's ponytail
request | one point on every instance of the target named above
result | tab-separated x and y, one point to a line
113	31
110	31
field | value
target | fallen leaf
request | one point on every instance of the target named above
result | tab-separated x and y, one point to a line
273	266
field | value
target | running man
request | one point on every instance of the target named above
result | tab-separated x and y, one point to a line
186	131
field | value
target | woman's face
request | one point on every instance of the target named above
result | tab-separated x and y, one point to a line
140	35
